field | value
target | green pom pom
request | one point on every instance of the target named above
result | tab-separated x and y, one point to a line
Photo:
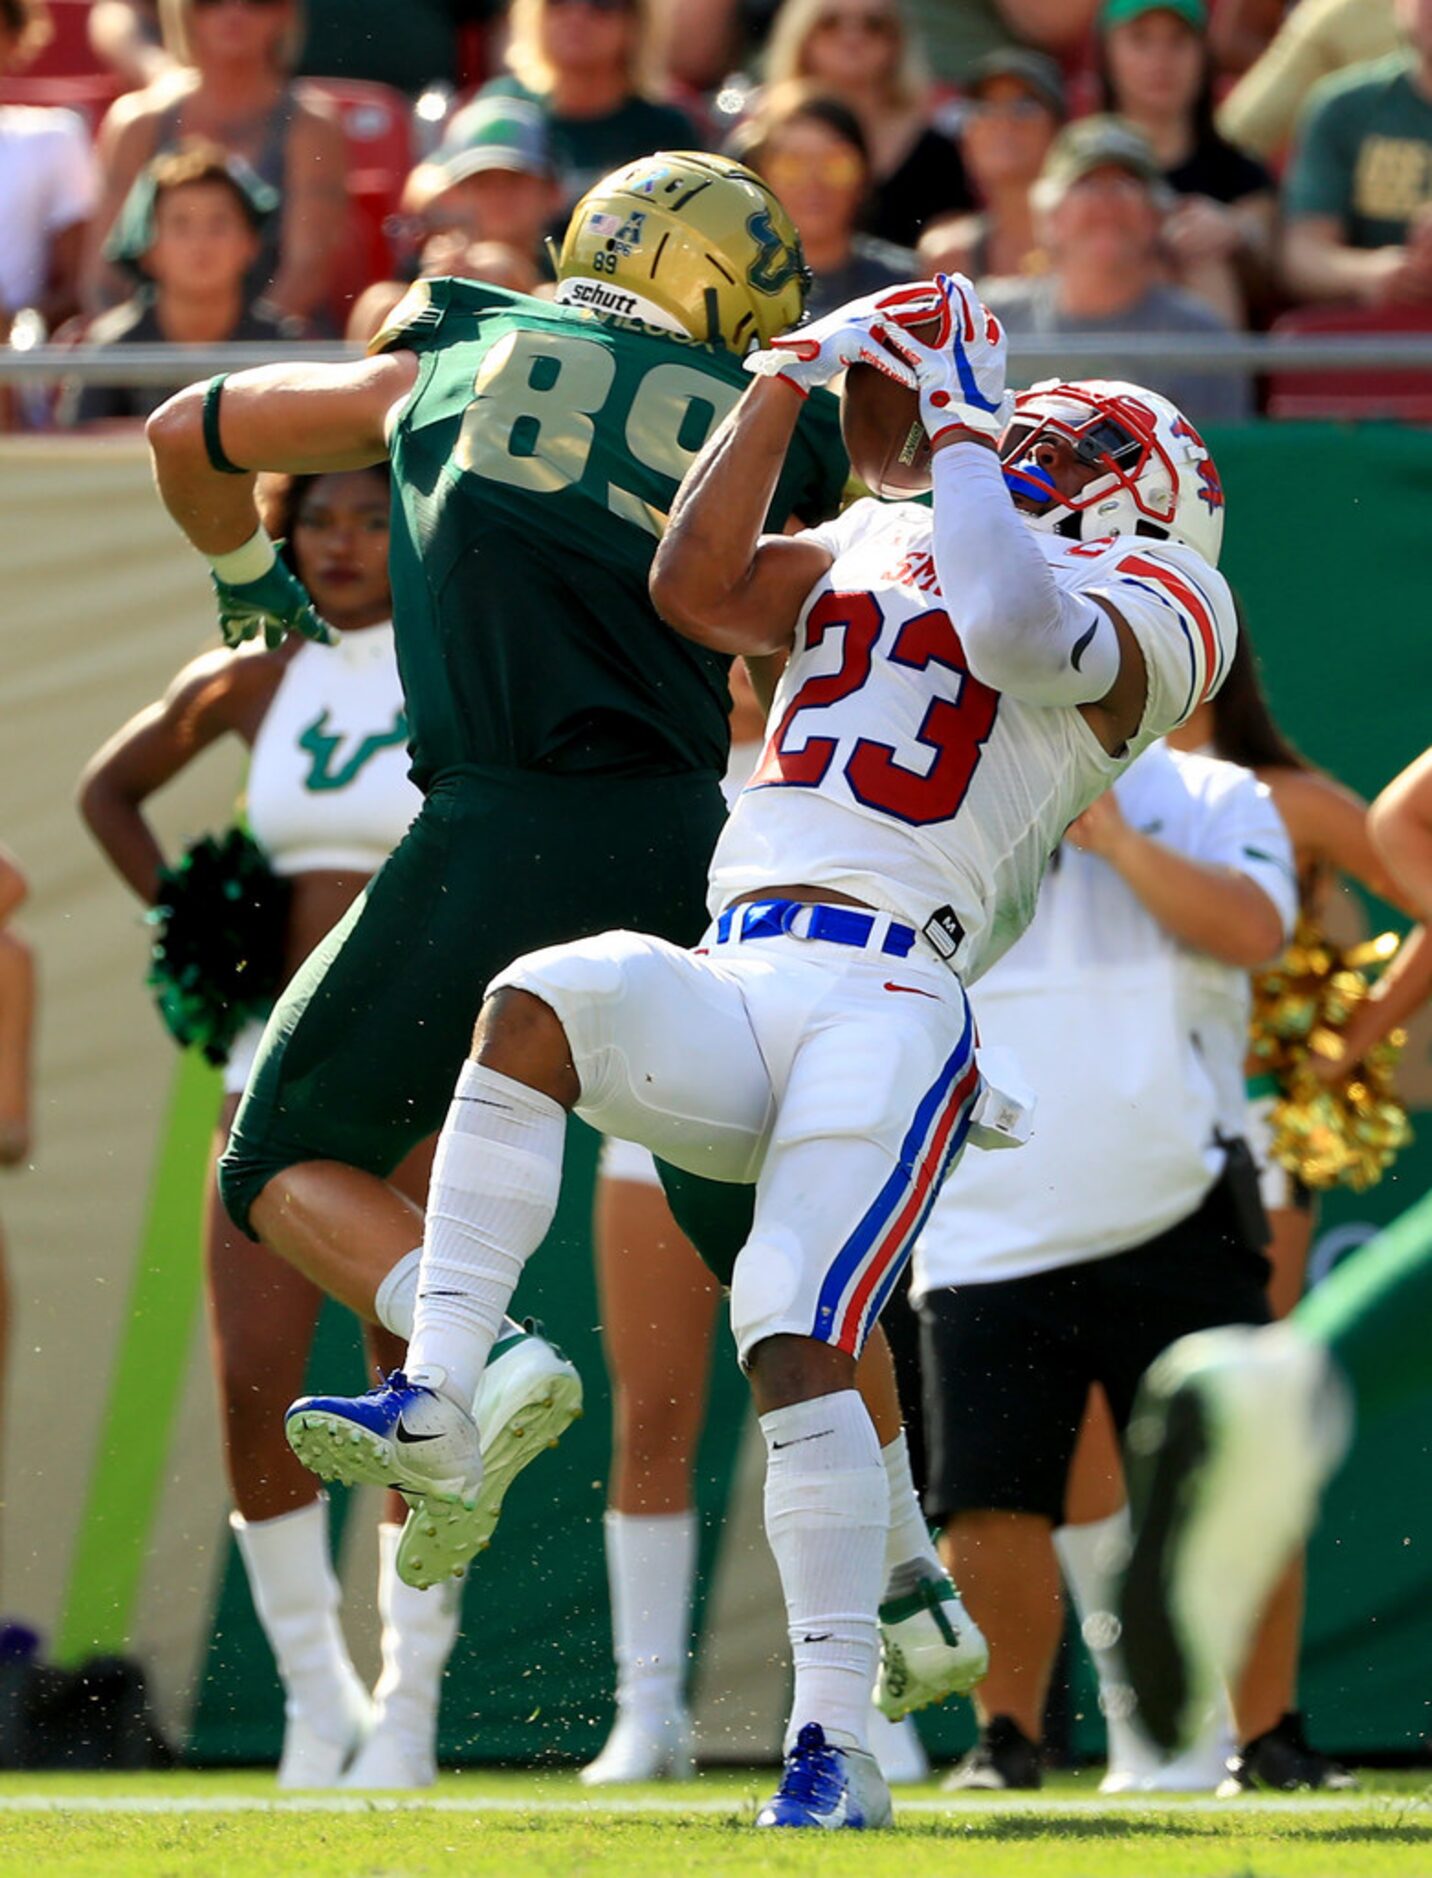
220	924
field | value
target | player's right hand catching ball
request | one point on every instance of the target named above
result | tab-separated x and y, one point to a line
961	380
812	355
275	605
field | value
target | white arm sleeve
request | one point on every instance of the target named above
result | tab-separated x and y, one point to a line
1021	632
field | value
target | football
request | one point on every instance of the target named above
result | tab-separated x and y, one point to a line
880	420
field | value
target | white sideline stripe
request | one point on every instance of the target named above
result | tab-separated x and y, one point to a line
1111	1806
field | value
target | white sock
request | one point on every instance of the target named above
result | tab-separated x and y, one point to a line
1091	1558
651	1569
910	1553
397	1297
297	1597
496	1178
827	1513
419	1630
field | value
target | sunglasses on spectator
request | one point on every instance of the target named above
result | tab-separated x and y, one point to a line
842	169
877	25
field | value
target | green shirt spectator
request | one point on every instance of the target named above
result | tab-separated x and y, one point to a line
1358	196
958	34
1365	153
594	68
585	149
408	46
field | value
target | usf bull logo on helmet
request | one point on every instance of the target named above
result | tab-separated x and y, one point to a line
693	243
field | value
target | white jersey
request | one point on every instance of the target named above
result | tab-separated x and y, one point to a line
1134	1043
892	775
328	778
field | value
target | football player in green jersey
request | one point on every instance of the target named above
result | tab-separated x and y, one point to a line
569	746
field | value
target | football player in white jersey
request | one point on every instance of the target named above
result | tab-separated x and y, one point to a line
961	684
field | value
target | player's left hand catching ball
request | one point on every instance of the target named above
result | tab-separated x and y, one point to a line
276	604
812	355
962	380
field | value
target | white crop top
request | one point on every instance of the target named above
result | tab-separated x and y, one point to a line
328	777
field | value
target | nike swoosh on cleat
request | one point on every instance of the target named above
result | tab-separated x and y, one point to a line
914	990
402	1434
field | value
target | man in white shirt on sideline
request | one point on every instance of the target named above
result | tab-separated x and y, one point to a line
1131	1216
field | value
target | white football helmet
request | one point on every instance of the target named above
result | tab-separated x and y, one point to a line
1161	480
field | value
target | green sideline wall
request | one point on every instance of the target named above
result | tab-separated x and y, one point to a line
113	1529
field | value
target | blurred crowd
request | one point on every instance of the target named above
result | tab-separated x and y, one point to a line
197	171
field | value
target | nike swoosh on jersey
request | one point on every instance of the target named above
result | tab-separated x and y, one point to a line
1081	645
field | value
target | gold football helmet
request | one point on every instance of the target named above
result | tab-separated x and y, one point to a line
693	243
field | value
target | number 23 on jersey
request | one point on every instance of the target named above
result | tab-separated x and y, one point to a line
954	729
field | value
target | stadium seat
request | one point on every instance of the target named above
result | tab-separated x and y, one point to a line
377	129
1350	391
68	54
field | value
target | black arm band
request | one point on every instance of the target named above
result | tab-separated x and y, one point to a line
213	446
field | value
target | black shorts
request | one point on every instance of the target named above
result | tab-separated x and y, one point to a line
1008	1367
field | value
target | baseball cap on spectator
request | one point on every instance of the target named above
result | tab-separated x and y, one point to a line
197	160
1035	70
1194	13
1096	143
494	134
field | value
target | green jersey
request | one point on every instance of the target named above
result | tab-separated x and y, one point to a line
533	469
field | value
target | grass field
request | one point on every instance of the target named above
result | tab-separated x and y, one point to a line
231	1826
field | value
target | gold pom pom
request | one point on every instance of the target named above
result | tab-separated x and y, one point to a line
1347	1135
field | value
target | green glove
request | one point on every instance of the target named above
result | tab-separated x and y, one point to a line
275	605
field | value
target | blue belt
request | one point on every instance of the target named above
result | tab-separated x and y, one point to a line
837	925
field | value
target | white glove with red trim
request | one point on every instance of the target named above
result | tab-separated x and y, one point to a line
961	380
812	355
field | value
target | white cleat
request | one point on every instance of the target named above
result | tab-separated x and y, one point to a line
644	1747
1233	1436
528	1397
930	1648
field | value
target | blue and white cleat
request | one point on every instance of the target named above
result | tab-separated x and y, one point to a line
828	1787
528	1397
404	1434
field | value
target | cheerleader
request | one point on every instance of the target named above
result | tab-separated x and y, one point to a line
328	797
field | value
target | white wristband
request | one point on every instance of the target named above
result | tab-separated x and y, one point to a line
250	562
